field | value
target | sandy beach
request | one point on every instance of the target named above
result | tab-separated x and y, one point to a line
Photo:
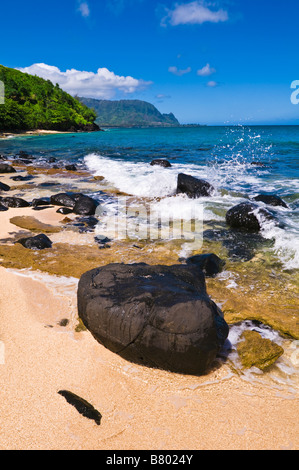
141	408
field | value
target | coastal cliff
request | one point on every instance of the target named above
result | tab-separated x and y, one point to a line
34	103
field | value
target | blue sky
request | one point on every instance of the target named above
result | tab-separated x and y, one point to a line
207	61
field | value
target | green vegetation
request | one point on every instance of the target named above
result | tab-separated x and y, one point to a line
34	103
129	113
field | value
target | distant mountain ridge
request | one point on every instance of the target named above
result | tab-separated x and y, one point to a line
128	113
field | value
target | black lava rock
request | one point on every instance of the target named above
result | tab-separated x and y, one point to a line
14	202
193	187
161	162
63	199
5	168
271	200
71	167
159	316
247	216
4	187
85	205
39	242
40	202
3	208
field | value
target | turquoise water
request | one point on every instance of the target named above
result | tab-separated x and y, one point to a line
240	162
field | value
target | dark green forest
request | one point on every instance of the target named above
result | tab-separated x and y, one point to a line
34	103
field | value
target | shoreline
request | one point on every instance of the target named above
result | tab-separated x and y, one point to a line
222	410
219	411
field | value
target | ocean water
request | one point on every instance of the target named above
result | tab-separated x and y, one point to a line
240	162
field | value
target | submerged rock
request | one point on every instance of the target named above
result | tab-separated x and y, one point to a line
33	224
160	316
209	263
255	351
247	216
161	162
193	187
40	242
271	200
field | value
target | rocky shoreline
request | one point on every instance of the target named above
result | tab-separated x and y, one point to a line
260	283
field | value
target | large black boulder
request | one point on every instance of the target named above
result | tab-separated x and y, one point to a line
271	200
14	202
193	187
159	316
39	242
5	168
247	216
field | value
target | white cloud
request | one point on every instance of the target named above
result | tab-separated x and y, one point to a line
178	72
84	9
212	84
101	85
197	12
206	71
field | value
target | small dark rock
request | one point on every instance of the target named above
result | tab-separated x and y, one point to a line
271	200
39	242
3	208
4	187
5	168
193	187
82	406
52	160
161	162
71	167
22	178
64	210
209	263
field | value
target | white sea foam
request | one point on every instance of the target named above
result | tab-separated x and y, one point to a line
140	179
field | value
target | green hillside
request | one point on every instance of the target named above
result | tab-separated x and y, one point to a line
129	113
34	103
